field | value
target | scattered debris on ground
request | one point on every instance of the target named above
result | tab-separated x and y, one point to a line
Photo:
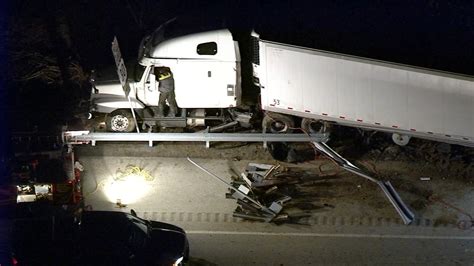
264	197
258	176
452	160
272	193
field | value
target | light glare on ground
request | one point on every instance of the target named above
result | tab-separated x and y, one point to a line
127	190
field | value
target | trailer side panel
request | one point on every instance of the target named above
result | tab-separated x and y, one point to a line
365	93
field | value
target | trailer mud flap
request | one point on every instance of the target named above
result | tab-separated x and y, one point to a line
402	209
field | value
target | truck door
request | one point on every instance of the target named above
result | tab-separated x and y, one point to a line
150	93
209	81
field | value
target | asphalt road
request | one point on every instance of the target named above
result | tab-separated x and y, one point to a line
219	239
257	248
353	232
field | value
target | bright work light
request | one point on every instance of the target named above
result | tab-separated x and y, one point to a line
129	187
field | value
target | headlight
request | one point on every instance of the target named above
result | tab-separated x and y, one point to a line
178	261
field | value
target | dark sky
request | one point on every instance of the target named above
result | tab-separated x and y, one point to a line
434	34
430	33
417	32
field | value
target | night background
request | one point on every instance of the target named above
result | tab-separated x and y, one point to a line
48	48
433	34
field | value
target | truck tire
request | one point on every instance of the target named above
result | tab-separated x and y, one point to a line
315	126
120	121
278	123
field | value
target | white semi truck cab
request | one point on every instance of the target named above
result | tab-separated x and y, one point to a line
206	68
206	71
297	88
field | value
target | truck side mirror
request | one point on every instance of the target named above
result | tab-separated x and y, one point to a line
134	214
92	79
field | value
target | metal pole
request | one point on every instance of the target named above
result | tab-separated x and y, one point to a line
133	113
228	184
73	137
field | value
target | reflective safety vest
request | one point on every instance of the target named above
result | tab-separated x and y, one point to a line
163	76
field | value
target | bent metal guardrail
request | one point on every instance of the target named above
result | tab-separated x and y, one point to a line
405	213
85	137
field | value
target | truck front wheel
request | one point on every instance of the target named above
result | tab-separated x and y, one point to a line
120	121
278	123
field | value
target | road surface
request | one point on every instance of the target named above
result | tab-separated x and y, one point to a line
352	230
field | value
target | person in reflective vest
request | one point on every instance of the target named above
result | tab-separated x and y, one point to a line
166	89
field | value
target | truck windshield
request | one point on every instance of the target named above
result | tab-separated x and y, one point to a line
165	32
175	28
168	31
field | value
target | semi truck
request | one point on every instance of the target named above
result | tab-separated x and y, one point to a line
223	81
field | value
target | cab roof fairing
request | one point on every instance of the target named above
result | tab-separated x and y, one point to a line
185	47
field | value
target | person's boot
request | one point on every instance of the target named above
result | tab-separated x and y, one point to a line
159	112
172	112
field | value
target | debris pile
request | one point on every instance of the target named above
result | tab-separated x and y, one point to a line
259	195
262	191
258	192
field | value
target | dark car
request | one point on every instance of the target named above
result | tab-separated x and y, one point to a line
98	238
130	239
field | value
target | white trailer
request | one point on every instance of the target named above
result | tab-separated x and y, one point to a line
366	93
319	87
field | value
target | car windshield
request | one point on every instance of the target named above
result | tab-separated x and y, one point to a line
139	233
142	224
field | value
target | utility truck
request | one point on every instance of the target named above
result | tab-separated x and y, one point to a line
224	82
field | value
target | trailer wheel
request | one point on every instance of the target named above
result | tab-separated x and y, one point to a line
120	121
315	126
400	139
278	123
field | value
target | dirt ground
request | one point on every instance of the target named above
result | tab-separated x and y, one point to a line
435	180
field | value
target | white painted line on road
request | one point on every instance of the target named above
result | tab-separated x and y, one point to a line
330	235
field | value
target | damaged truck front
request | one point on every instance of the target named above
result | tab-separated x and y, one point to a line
295	87
206	71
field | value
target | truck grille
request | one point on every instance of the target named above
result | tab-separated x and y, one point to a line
255	50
